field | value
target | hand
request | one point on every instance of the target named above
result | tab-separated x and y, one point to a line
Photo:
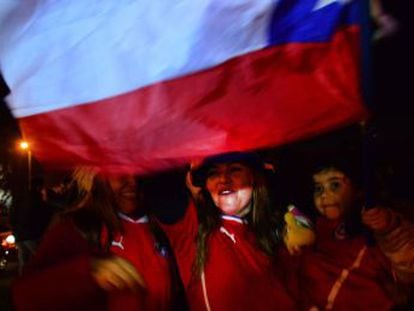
296	236
378	219
115	273
195	191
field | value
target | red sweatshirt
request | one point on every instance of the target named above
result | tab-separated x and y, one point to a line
366	273
237	275
59	275
137	245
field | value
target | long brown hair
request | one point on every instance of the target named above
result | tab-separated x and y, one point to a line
261	219
93	207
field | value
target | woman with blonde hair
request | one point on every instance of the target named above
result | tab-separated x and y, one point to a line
102	254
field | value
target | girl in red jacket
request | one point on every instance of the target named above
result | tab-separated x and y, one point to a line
359	257
103	254
227	243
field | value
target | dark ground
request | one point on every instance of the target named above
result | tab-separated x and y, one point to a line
6	277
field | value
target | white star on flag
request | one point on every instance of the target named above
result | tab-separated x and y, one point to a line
323	3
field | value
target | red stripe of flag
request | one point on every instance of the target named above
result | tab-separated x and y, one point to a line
266	98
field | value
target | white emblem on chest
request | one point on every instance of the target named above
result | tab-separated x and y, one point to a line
118	243
230	235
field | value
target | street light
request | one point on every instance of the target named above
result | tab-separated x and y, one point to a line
24	145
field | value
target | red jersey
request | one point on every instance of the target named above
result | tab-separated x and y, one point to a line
59	275
359	272
237	275
137	245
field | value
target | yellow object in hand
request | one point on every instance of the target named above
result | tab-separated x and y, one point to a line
298	231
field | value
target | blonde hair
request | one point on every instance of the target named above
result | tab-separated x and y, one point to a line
94	207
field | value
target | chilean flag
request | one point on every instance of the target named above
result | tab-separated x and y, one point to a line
140	86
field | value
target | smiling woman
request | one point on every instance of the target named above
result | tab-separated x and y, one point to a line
111	258
231	187
235	230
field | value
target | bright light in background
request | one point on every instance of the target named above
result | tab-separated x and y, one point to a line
24	145
10	239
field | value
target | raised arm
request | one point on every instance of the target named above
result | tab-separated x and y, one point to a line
395	237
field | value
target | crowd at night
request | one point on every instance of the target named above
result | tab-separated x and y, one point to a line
203	191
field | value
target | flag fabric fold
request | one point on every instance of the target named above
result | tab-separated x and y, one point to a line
141	86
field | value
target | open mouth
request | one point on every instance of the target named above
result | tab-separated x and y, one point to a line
331	211
330	206
128	192
226	192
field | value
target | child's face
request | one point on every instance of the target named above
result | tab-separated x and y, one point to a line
333	193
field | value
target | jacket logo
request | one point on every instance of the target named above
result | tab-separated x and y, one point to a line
118	244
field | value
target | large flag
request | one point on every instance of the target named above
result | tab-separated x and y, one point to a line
146	85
